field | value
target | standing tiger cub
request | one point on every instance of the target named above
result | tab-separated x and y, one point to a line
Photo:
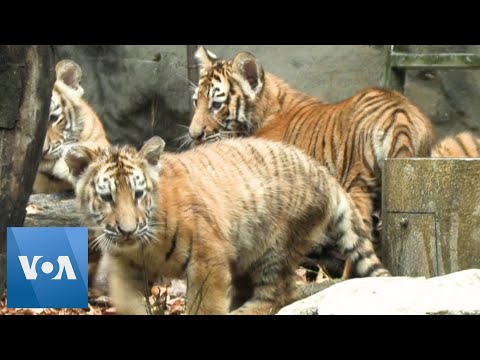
234	218
351	138
72	121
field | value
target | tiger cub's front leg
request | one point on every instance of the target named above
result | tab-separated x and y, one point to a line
208	287
126	284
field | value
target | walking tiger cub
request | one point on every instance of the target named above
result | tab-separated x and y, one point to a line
351	138
72	121
234	218
463	145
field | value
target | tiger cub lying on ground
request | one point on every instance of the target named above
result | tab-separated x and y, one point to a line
463	145
234	218
237	98
72	121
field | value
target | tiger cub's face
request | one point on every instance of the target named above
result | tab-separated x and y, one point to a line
116	188
225	98
66	94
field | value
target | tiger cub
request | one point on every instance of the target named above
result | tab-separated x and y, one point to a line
463	145
234	218
351	138
72	121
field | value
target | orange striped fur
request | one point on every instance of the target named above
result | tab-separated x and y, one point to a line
463	145
234	218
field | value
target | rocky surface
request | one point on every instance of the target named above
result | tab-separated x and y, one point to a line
457	293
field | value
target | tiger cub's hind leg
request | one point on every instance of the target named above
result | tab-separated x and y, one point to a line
273	282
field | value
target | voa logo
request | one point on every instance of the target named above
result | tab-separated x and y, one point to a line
29	269
47	267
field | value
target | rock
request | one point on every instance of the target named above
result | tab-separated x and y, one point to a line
455	294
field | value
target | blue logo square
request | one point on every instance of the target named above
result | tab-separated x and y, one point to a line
47	267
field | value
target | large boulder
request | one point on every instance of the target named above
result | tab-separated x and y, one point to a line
457	293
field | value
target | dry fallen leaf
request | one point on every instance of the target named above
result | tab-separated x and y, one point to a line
176	306
33	209
110	311
162	301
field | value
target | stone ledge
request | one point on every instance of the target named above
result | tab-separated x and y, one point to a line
457	293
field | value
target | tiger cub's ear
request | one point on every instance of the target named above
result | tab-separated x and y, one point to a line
78	158
250	71
205	58
152	150
70	73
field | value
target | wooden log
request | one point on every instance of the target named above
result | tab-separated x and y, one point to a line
52	210
26	82
61	210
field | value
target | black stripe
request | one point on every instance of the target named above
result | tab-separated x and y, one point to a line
371	269
306	121
394	149
174	245
281	97
338	220
237	110
244	179
368	254
209	165
330	161
392	123
400	149
378	112
321	122
378	99
348	151
258	156
274	160
382	108
357	181
464	148
184	166
243	160
360	99
314	135
49	176
293	124
189	257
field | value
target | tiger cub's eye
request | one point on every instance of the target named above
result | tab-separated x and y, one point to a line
106	197
216	105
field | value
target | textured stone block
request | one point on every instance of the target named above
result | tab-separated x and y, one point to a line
431	216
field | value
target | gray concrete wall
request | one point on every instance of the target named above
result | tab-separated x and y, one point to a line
141	90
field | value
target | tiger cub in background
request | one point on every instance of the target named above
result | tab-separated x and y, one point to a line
463	145
72	121
234	218
351	138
